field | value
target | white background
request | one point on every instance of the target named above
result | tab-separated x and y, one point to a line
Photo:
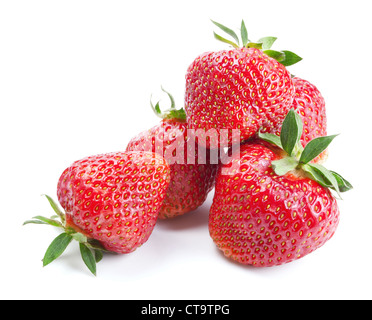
75	80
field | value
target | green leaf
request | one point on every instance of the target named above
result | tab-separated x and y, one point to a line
88	258
291	131
171	113
228	31
315	147
219	38
56	209
79	237
267	42
284	165
34	221
173	104
316	175
96	245
44	220
155	108
277	55
343	184
56	248
272	138
51	222
322	175
328	175
256	45
244	34
290	58
98	255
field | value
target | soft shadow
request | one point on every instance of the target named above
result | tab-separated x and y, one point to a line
190	220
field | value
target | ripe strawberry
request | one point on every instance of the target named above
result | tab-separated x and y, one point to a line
309	103
244	89
111	202
272	206
191	178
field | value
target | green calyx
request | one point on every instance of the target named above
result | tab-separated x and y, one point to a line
172	112
285	57
298	158
91	251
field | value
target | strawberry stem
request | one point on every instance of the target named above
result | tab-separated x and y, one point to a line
285	57
171	113
298	158
90	249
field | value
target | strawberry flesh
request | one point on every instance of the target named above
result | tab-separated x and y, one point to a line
241	89
309	103
263	219
190	179
114	198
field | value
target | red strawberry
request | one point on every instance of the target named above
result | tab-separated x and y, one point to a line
191	178
272	206
309	103
112	202
242	89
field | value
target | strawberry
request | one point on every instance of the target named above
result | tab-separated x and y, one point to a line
309	103
191	178
111	203
241	89
272	205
